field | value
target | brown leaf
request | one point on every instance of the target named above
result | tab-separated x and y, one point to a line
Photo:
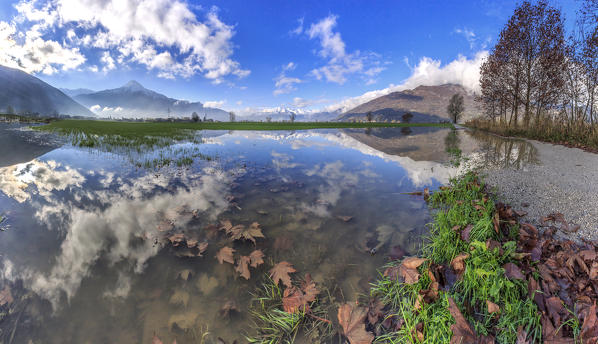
225	255
310	290
410	276
6	296
462	332
465	232
226	225
458	263
243	267
492	307
496	222
412	262
594	271
293	300
177	239
426	194
344	218
202	247
351	318
256	258
280	272
248	233
589	329
512	271
375	308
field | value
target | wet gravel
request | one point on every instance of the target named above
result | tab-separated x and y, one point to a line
565	180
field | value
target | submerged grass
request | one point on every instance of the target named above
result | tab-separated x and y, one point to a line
464	203
272	325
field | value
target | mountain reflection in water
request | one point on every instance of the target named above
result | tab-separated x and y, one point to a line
87	254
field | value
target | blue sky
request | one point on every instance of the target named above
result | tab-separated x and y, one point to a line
249	54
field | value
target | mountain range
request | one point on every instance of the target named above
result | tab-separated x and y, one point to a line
134	100
21	93
424	103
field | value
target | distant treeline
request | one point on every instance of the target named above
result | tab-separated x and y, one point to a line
541	80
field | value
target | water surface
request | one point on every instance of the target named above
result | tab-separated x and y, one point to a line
86	253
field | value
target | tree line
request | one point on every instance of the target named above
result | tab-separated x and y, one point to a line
539	75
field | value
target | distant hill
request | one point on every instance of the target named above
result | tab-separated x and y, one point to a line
284	114
75	92
425	103
26	94
134	100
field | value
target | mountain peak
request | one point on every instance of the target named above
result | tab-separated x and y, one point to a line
134	85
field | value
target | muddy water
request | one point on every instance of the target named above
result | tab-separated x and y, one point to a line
85	248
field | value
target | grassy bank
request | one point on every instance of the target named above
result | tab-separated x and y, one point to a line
132	129
481	277
580	135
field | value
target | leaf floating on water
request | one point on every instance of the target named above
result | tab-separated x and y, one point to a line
243	267
280	272
6	296
351	318
228	307
177	239
184	274
293	301
344	218
256	258
248	233
202	248
225	225
226	255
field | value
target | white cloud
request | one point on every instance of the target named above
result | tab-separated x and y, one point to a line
162	35
340	63
96	108
214	103
428	72
469	36
299	29
108	62
285	84
32	54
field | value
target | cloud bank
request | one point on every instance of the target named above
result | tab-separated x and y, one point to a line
165	36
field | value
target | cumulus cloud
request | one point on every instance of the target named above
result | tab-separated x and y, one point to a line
285	84
96	108
214	103
108	62
469	36
165	36
428	72
32	54
341	63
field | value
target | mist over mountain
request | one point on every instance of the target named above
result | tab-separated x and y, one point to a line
22	93
284	114
134	100
425	103
75	92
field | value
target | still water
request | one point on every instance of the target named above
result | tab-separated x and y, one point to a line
87	252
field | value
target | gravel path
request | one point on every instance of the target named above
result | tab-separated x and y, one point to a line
565	181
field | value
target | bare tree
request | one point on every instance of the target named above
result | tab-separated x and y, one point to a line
369	116
231	116
455	107
292	117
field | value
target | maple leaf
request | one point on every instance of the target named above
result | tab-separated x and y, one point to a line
351	318
247	233
294	301
462	332
243	267
256	258
512	271
225	255
280	272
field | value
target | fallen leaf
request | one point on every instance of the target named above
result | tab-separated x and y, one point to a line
351	318
6	296
462	331
177	239
293	300
375	308
496	222
243	267
225	225
413	262
202	248
492	307
225	255
512	271
458	263
465	232
247	233
589	329
184	274
256	258
344	218
280	272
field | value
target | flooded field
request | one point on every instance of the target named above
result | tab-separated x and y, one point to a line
110	246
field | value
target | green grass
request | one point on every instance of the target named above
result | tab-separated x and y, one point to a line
164	129
464	202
